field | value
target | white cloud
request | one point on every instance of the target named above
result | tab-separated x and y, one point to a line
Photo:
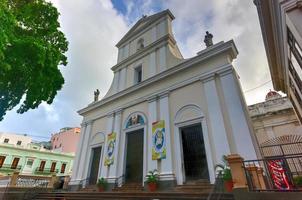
93	28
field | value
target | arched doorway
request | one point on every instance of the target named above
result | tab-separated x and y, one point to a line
96	144
135	144
192	146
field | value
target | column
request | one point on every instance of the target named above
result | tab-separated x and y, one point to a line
162	59
238	116
117	129
238	175
166	164
75	168
218	132
152	109
84	160
109	129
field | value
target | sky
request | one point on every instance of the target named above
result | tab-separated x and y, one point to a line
93	27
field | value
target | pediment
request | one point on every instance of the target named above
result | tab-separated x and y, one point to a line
144	22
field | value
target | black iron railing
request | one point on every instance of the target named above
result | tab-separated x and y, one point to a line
218	189
278	173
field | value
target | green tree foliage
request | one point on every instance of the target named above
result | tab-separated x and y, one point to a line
31	48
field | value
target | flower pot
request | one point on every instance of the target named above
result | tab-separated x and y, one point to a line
228	185
101	189
152	187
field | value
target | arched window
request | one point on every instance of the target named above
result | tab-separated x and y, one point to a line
135	120
140	44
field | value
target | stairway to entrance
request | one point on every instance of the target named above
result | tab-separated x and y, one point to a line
129	187
199	186
128	195
198	190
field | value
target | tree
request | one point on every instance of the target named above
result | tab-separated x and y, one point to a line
31	49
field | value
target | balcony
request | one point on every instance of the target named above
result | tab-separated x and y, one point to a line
9	168
45	171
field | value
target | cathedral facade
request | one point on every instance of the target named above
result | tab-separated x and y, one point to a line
178	116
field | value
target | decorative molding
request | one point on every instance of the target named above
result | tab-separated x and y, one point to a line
155	95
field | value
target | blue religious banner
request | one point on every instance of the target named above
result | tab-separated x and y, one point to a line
111	138
158	140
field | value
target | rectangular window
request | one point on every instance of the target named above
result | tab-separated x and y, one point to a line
42	165
2	159
29	163
53	167
6	140
15	163
63	167
19	142
138	74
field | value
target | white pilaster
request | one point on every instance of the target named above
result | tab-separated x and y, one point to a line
84	160
117	129
110	120
152	64
166	164
122	81
116	81
152	106
77	160
153	34
162	59
218	132
238	119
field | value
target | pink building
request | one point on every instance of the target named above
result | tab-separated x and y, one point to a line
66	140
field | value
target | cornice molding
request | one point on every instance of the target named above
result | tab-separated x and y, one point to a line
155	96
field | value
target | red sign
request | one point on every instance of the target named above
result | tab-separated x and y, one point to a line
278	174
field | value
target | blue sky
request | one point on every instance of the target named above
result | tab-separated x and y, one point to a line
94	27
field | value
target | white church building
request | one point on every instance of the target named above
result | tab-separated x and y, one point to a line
164	112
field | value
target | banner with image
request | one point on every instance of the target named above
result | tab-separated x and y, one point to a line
109	159
158	140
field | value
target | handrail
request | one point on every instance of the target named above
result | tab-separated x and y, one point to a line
81	181
218	188
33	192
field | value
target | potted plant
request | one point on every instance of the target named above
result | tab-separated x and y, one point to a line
298	182
102	184
225	173
152	180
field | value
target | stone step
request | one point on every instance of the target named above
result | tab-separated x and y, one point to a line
126	194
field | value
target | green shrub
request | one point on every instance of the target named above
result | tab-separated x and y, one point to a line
298	181
102	182
152	176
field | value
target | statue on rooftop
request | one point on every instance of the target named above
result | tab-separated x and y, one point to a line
96	95
208	39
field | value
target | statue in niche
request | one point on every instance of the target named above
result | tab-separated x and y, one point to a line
208	39
134	119
96	95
